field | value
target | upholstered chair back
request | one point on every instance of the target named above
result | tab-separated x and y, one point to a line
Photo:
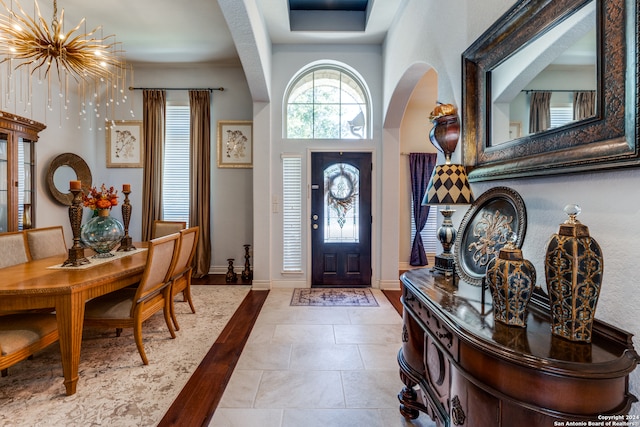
13	249
164	228
46	242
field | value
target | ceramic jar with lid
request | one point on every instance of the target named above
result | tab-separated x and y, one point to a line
573	268
511	280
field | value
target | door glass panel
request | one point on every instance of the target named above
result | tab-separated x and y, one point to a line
4	138
342	198
24	182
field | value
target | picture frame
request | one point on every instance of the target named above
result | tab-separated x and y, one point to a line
235	144
484	231
125	145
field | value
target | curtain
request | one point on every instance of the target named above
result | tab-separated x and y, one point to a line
540	112
421	166
200	180
584	105
153	119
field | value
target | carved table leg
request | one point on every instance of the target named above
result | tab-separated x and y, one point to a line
408	398
410	407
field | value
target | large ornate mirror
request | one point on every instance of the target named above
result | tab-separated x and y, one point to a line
552	87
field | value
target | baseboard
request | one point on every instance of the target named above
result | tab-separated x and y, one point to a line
389	285
261	284
289	284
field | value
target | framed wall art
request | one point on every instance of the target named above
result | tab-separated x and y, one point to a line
125	147
235	144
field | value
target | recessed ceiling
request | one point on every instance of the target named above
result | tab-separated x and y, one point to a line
328	15
359	5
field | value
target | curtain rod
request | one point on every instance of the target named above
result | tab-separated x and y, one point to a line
210	89
556	90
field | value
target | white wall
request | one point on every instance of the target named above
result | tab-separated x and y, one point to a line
287	61
610	209
231	196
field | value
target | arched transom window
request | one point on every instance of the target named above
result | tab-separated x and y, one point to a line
327	102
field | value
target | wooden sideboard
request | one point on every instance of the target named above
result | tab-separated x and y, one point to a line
473	372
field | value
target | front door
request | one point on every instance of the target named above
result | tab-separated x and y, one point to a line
341	219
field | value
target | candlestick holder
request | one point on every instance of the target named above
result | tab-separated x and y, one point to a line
247	275
231	276
126	242
76	251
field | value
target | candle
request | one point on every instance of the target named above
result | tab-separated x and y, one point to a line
75	185
126	187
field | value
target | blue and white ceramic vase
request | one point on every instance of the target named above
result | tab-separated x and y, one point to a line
102	233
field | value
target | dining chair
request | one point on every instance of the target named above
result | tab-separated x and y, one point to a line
130	307
46	242
181	279
13	249
162	228
23	334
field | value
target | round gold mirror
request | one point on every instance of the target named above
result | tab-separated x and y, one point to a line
64	168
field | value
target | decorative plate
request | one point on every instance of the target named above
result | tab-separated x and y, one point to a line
484	231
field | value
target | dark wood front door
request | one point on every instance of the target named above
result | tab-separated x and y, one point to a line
341	219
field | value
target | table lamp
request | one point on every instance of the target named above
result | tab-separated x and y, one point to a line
449	184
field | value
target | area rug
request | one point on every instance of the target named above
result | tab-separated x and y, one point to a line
115	388
340	297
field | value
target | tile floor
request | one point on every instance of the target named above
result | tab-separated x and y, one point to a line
317	367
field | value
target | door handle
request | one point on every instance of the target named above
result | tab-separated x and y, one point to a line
314	217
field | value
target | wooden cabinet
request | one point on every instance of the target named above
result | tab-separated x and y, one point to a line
473	372
17	172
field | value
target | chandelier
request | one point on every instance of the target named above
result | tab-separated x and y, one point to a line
32	50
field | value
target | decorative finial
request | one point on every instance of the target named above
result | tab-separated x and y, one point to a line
573	211
512	238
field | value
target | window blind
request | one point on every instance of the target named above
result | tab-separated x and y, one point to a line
560	116
176	165
428	233
292	213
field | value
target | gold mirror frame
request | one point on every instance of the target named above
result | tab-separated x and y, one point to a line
608	140
79	166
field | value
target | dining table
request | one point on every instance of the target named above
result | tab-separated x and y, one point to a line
45	284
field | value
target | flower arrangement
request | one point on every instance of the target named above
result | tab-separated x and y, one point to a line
102	199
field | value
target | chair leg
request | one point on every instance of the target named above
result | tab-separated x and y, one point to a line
167	314
118	332
187	295
5	372
173	315
137	334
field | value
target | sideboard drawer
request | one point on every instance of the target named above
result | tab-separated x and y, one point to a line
435	328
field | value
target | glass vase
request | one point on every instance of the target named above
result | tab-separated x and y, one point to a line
102	233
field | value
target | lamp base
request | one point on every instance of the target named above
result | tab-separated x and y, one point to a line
447	236
444	264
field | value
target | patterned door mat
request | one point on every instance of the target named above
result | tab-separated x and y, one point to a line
342	297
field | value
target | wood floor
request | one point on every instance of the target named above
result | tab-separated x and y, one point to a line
197	401
199	398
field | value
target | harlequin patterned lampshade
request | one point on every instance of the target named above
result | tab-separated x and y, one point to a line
449	185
